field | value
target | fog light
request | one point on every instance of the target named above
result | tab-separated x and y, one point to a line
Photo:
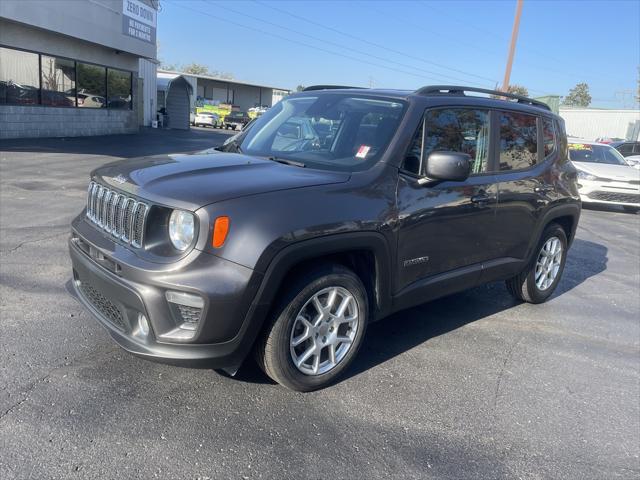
143	325
186	309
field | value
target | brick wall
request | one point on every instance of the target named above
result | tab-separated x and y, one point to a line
17	121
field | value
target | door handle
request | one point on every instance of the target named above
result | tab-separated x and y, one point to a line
482	197
544	188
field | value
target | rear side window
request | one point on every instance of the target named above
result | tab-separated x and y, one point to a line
548	137
518	141
463	130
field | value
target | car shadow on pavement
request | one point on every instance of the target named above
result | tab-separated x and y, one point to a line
407	329
410	328
146	142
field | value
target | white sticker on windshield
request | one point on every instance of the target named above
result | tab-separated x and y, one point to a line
363	151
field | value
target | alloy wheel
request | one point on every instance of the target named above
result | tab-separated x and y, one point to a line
548	263
324	330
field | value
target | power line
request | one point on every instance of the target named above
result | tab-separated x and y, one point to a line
377	45
528	49
323	40
297	42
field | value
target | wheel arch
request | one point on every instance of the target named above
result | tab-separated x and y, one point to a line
567	216
366	253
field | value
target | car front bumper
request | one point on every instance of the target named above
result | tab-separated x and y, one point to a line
611	193
117	288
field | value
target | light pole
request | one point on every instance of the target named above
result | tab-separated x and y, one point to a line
512	47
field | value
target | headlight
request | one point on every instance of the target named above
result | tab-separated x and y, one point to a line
181	229
586	176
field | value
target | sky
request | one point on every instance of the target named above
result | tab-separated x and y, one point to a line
409	44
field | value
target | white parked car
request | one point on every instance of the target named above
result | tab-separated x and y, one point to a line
633	160
206	119
604	177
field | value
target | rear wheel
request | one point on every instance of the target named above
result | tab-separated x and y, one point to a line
317	331
540	279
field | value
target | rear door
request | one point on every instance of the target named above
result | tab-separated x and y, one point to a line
526	145
448	225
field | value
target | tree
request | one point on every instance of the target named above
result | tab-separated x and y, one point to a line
518	90
299	88
578	96
196	69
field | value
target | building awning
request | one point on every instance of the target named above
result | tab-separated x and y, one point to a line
164	81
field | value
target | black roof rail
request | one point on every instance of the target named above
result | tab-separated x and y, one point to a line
327	87
457	90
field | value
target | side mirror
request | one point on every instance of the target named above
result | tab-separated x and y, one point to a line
453	166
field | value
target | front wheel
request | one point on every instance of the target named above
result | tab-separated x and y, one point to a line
317	331
538	281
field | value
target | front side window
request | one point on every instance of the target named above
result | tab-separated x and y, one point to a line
518	141
460	130
19	77
58	81
327	131
119	89
91	86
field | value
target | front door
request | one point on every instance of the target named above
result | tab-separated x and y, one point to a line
446	226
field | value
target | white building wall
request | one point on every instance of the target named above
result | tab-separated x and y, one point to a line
95	21
147	72
589	124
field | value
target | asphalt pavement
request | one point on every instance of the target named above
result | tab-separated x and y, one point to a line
475	385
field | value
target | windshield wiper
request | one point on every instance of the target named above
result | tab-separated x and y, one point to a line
227	147
286	161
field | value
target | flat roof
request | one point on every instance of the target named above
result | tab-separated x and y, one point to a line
224	80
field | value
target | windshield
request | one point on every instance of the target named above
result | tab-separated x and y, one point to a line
236	114
584	152
328	131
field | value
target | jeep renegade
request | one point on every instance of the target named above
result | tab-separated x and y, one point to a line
336	208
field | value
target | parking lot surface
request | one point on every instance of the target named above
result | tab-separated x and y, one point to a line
475	385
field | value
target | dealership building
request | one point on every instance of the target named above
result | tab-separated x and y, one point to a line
174	87
77	67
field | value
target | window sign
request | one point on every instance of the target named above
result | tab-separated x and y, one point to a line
139	20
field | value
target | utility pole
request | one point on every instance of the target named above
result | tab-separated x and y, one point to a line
512	47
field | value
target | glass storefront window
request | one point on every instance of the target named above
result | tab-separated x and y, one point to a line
119	89
91	86
28	78
19	78
58	82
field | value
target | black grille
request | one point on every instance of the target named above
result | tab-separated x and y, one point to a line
615	197
189	314
106	307
121	216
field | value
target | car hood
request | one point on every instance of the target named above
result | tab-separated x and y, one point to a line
622	173
191	181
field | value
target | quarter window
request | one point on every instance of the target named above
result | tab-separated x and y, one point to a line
548	137
518	141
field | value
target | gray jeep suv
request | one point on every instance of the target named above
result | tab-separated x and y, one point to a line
336	208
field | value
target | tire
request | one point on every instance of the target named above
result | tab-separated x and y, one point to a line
524	286
275	350
630	209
